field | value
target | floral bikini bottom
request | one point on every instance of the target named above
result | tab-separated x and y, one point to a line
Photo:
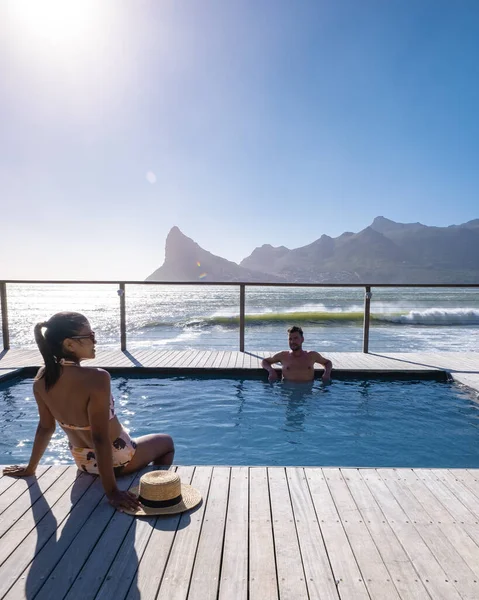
123	450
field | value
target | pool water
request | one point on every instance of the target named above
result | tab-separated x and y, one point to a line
251	422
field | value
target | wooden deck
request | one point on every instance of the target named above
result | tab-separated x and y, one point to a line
260	533
462	366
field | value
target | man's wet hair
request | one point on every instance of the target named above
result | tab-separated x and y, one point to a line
296	329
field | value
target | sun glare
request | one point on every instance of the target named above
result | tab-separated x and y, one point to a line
58	22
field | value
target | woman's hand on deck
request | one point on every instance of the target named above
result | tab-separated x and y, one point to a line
18	471
121	500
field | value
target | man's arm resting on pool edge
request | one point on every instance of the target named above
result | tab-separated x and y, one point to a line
267	363
327	364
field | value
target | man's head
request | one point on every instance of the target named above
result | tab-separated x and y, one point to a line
295	337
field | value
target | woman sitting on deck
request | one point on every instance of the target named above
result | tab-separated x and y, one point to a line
80	399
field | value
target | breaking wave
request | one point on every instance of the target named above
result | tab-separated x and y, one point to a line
431	316
434	316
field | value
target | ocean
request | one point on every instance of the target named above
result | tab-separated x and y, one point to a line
207	317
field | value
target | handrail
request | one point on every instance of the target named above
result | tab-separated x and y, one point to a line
236	283
367	315
242	315
3	304
242	288
121	293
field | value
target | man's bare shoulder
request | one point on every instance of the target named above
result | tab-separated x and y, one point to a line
278	357
318	357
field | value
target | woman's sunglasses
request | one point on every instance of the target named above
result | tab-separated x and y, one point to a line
90	336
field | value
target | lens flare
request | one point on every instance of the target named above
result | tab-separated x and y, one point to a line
151	177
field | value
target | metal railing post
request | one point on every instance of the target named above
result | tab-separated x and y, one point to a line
3	302
367	316
121	293
241	323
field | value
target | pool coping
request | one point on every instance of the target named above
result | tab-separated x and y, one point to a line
461	367
6	374
238	373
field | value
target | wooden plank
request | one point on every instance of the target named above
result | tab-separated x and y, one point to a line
193	356
90	578
291	577
470	478
177	575
403	574
83	546
450	543
205	355
465	495
18	358
187	356
256	361
375	574
218	358
319	576
5	483
24	501
31	562
197	360
232	360
111	358
262	565
179	359
19	526
153	560
209	358
424	559
174	358
349	580
155	358
234	569
12	487
463	364
447	498
138	355
148	357
122	574
158	359
240	360
225	360
169	358
206	572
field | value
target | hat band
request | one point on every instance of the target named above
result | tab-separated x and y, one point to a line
159	503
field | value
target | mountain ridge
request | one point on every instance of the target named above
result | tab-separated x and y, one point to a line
383	252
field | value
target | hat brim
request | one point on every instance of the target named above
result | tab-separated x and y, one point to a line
190	497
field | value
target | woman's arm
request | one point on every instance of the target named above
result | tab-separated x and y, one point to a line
99	418
43	435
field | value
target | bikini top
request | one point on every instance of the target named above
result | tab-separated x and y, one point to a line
88	427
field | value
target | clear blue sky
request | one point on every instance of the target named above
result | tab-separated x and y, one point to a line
243	122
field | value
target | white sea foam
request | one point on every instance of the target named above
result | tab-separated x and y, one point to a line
434	316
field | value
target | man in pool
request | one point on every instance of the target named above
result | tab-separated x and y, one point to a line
297	364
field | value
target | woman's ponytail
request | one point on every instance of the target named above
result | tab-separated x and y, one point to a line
51	370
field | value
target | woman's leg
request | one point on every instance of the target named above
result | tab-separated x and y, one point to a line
157	448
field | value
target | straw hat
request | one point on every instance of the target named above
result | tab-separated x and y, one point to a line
162	493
